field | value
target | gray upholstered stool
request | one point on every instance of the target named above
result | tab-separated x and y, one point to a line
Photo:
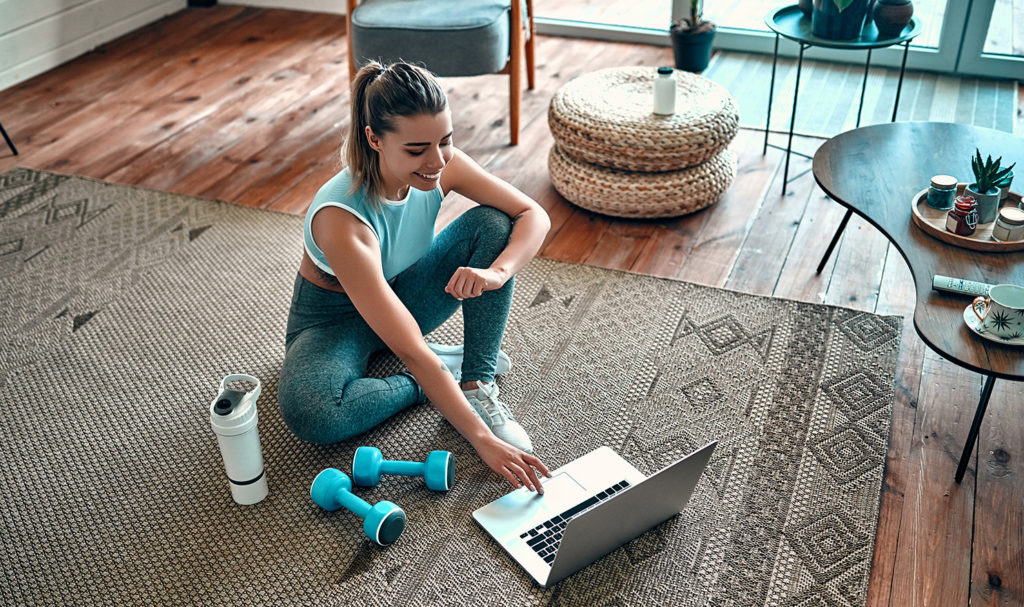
452	39
448	37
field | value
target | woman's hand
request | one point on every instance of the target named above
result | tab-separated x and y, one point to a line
513	465
472	282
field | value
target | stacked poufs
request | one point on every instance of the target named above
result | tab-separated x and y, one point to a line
613	155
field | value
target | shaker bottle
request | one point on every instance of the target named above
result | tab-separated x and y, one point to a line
233	417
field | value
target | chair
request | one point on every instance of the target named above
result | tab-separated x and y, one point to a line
448	37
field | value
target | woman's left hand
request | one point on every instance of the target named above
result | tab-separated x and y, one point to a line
472	282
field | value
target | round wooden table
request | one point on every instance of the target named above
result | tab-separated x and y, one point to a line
875	171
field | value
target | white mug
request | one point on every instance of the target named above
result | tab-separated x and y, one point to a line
1002	312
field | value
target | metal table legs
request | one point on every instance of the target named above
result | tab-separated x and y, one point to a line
792	119
10	143
972	436
895	107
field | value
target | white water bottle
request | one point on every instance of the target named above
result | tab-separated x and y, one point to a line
665	92
233	417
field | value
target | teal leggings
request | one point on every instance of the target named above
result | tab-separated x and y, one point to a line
324	393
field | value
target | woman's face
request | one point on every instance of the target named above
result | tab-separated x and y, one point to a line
415	153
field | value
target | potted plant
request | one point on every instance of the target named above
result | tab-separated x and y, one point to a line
691	39
985	189
838	19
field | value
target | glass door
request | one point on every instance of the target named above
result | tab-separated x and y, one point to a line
641	21
994	40
642	14
982	37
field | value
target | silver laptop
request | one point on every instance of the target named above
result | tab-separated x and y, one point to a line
590	506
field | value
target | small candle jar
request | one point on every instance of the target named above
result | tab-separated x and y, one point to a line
942	192
962	219
1009	225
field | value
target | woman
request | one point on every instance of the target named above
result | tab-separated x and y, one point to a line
373	276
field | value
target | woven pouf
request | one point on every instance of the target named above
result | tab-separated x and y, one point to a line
638	194
606	118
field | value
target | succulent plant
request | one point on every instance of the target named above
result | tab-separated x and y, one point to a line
693	22
988	174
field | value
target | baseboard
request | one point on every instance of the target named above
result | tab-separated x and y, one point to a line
50	59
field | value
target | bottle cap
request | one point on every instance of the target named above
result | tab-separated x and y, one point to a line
944	182
966	202
234	412
665	70
1011	216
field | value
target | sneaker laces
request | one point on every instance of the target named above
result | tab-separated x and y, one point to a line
496	410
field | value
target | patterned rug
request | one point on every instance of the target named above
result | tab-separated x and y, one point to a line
123	309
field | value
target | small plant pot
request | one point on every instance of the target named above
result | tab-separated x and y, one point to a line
692	51
827	21
891	16
988	203
1004	186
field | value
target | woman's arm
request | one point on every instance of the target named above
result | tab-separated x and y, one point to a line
353	252
465	176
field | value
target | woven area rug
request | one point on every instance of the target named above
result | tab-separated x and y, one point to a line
830	93
123	309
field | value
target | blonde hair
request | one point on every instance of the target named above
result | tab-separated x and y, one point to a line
379	95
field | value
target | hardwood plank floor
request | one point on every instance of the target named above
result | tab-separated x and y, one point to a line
250	105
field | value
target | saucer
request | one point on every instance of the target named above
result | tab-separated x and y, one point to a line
972	322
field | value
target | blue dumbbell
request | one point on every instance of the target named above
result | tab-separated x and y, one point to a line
439	469
383	522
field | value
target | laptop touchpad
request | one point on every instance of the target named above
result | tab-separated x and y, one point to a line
562	484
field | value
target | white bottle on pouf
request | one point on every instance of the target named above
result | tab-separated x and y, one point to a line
665	92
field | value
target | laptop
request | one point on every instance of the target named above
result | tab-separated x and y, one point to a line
590	506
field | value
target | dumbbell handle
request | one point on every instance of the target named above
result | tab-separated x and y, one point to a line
354	503
403	468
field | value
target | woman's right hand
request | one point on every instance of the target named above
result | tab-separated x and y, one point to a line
515	466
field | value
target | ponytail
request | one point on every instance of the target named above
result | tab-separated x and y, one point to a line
379	95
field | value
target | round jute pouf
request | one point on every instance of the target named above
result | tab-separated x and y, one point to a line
606	118
638	194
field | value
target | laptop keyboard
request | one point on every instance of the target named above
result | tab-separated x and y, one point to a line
545	537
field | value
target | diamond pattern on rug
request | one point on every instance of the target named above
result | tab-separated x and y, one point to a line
126	307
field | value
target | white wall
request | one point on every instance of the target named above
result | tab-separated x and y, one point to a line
318	6
37	35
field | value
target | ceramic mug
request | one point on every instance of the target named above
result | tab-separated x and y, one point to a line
1002	312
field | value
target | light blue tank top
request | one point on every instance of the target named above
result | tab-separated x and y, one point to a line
405	229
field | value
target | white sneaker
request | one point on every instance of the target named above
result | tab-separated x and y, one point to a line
451	356
484	400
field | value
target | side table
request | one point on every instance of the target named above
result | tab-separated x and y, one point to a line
856	170
789	22
7	138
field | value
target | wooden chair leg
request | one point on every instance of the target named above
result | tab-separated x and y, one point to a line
348	34
529	56
515	79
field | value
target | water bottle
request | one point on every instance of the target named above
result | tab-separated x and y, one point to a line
665	92
233	417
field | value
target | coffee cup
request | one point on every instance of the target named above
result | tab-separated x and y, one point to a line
1002	312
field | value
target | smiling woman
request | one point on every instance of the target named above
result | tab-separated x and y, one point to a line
373	276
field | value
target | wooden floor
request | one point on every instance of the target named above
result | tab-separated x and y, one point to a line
248	106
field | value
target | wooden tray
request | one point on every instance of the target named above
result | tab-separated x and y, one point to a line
933	222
